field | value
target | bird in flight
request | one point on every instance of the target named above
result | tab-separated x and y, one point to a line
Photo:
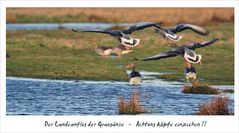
188	53
170	33
123	35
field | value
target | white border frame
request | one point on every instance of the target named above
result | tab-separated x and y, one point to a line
30	124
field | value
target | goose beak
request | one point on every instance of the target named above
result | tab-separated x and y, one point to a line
130	66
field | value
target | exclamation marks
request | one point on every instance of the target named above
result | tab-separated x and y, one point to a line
204	123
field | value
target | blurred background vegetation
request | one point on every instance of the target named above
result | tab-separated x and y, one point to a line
199	16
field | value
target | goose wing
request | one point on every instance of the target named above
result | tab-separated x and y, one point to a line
202	44
139	26
182	27
113	33
167	54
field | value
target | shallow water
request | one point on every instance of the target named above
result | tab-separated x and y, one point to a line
54	26
58	97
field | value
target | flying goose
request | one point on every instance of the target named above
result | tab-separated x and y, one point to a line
122	35
187	51
170	33
180	50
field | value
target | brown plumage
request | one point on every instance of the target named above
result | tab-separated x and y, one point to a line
106	51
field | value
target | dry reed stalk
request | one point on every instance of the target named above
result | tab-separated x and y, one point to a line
217	106
130	107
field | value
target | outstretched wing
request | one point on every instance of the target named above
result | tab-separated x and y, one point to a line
139	26
203	44
182	27
167	54
113	33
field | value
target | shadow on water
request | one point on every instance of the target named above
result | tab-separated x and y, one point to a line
58	97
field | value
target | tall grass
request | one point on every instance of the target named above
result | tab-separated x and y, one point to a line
217	106
130	107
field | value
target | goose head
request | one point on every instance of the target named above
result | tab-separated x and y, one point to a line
130	66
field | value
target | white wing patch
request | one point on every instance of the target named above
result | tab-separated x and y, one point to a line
130	43
130	40
173	37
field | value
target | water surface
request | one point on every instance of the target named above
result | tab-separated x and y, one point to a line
58	97
55	26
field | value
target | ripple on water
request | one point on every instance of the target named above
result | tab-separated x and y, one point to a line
56	97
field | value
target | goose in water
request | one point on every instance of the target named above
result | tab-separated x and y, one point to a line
135	76
190	57
122	35
170	33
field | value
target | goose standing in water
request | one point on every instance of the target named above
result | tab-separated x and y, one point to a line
135	76
190	57
170	33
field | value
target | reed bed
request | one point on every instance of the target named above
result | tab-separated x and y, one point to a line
217	106
199	88
130	107
228	91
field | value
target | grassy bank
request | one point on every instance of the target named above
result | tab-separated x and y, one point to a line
63	54
200	16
